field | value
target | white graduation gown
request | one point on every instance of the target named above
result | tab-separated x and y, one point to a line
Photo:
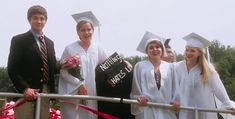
69	84
194	92
144	84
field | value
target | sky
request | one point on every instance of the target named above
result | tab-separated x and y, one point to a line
123	22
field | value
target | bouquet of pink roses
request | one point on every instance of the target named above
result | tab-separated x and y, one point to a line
74	63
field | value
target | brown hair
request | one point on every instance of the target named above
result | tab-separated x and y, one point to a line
79	24
36	9
159	43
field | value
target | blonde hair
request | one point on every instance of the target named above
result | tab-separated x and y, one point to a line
203	66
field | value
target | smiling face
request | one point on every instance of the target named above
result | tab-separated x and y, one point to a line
85	31
37	17
37	23
192	53
154	50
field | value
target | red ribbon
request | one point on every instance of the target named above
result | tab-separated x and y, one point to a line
7	117
17	104
22	101
101	114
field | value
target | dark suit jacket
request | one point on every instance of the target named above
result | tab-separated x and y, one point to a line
25	63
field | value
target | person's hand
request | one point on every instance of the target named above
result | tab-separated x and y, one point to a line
30	94
82	90
142	100
175	104
128	64
233	113
66	66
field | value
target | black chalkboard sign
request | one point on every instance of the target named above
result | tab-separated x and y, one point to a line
114	79
115	69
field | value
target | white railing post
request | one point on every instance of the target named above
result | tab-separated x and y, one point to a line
38	107
196	113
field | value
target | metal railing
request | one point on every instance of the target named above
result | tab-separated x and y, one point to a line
109	99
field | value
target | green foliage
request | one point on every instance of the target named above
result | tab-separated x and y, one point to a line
5	82
224	61
134	59
231	90
217	50
55	104
179	57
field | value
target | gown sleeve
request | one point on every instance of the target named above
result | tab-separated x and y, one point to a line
136	90
219	90
68	83
175	84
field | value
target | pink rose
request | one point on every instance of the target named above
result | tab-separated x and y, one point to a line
73	61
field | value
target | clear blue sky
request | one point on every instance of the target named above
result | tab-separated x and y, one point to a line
123	21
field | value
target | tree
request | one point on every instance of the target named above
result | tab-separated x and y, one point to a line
134	59
224	61
5	82
179	57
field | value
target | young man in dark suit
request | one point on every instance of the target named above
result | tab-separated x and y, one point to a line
30	69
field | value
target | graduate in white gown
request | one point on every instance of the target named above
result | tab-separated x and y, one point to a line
90	56
153	81
198	80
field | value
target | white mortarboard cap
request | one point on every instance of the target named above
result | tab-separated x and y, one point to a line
147	38
86	16
195	40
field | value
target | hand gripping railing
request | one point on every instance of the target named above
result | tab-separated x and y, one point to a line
109	99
